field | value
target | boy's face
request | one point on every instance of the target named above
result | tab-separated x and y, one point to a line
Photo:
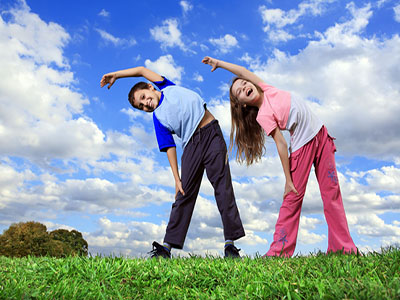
146	99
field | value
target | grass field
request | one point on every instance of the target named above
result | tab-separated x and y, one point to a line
319	276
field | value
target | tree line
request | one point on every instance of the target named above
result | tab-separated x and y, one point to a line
31	238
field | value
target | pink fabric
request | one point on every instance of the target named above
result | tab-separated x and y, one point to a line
274	109
320	152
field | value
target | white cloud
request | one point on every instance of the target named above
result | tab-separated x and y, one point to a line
222	112
108	38
225	44
280	18
350	79
104	13
372	225
325	70
275	19
280	36
384	179
186	6
396	10
380	3
27	35
166	66
168	35
198	77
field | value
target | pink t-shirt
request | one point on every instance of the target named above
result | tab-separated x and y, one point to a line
274	111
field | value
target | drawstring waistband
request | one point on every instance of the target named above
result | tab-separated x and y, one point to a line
198	131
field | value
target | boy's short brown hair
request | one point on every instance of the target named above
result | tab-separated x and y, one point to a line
137	87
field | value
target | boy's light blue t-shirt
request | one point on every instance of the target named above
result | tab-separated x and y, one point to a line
179	111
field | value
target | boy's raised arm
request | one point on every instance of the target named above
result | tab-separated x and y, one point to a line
111	77
235	69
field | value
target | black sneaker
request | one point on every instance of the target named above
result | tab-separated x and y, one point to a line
159	251
231	251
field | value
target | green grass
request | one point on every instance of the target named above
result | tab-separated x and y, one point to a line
334	276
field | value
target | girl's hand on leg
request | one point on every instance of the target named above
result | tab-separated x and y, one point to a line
289	187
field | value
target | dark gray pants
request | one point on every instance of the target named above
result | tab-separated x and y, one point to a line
205	150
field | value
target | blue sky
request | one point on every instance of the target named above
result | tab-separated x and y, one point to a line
75	156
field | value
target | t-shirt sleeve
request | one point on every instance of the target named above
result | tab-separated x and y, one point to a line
164	136
266	117
267	122
164	83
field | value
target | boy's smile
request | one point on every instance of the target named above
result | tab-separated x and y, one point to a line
147	99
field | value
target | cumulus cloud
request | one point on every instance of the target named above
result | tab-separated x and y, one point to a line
43	124
58	160
108	38
225	43
168	35
344	101
276	19
166	66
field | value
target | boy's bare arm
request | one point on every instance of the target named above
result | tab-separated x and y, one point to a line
111	77
235	69
173	161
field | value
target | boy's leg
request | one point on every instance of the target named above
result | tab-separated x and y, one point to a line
218	173
287	225
325	169
192	170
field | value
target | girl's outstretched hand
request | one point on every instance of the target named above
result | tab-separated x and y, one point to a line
289	187
108	79
210	61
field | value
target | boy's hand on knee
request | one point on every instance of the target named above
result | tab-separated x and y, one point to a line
178	188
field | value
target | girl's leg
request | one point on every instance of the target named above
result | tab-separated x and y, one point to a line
287	226
325	169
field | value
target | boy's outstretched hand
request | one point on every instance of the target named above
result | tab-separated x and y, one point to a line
108	79
210	61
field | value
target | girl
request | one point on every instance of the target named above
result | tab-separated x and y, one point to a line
257	107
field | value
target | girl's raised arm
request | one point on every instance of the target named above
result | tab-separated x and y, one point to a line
235	69
110	78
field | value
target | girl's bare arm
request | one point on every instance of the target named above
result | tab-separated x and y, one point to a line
239	71
281	146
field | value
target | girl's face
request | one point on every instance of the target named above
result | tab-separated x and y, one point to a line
246	92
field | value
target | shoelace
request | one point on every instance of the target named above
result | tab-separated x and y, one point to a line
155	250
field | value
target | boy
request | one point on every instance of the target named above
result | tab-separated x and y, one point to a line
183	112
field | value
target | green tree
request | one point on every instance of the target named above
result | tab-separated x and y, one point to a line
32	238
74	243
22	239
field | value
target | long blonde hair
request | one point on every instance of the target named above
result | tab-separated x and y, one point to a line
246	134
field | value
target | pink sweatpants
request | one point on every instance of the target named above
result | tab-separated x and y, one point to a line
320	151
